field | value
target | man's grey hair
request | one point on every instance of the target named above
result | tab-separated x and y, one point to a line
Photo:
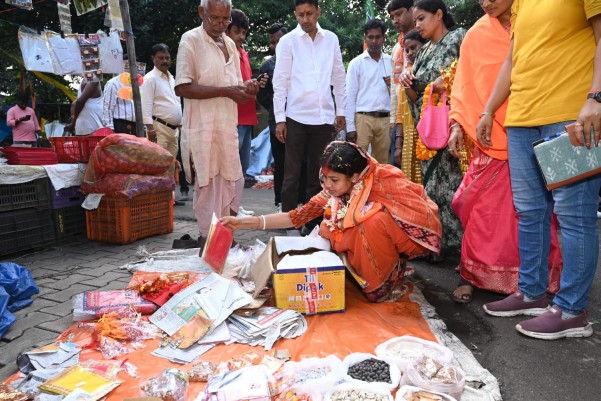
205	3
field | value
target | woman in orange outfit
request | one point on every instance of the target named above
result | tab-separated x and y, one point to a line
371	212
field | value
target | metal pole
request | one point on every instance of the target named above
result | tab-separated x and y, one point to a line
133	66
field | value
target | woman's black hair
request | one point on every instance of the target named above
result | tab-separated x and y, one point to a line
432	6
414	35
343	158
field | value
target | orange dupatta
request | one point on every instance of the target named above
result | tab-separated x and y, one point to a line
483	52
407	202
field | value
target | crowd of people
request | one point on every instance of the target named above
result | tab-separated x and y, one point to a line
382	197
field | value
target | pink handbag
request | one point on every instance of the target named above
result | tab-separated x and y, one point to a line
433	128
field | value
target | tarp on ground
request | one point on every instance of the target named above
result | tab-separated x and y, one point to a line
16	289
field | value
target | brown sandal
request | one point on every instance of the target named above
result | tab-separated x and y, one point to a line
464	293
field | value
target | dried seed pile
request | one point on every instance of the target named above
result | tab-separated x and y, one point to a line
371	370
357	395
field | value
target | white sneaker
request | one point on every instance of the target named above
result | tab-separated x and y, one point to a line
278	208
243	212
599	215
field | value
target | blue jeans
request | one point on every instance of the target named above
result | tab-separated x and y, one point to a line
576	208
244	138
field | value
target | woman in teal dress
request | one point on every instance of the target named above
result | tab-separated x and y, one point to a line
441	174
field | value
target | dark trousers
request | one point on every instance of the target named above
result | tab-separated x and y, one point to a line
124	126
278	150
301	140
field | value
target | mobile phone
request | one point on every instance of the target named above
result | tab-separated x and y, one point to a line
27	117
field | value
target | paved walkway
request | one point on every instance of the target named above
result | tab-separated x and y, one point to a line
64	271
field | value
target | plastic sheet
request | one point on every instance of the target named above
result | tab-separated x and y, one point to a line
361	328
16	289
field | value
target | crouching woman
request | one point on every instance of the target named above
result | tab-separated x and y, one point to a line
370	211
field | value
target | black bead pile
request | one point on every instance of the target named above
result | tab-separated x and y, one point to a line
371	370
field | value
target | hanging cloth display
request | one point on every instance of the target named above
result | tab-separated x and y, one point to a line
34	50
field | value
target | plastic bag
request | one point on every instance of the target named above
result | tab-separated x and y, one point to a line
111	53
171	385
240	260
316	376
129	185
358	357
34	49
402	350
127	154
16	289
435	375
202	371
65	54
342	392
411	393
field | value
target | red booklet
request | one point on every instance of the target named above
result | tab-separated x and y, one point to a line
219	242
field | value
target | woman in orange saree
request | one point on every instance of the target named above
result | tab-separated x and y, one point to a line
372	213
483	202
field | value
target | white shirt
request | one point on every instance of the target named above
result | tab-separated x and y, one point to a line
114	107
365	86
305	70
159	99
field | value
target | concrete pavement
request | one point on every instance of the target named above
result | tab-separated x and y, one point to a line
527	369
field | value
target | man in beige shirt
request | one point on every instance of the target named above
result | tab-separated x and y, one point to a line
161	107
209	80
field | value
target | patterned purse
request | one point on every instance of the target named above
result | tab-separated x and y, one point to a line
563	161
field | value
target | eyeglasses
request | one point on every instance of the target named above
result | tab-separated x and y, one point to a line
219	20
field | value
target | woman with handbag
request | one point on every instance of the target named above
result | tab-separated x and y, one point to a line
441	173
371	212
490	257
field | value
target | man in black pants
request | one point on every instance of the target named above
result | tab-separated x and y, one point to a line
309	63
265	98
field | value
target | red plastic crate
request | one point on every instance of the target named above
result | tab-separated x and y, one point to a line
75	149
123	221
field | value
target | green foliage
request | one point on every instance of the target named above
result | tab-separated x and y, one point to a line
156	21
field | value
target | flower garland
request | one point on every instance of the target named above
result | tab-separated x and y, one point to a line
336	208
448	76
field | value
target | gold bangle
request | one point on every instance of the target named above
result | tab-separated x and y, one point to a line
487	113
258	222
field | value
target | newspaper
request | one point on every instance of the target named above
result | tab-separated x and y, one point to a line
266	326
214	298
215	336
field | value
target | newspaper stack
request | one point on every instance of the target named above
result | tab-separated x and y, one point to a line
266	326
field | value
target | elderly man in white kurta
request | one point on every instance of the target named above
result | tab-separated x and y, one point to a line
208	78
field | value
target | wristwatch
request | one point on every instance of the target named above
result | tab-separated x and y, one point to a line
595	95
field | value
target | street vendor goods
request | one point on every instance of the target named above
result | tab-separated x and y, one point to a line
127	154
129	185
77	377
93	304
435	375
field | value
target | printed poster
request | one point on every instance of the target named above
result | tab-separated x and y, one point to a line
85	6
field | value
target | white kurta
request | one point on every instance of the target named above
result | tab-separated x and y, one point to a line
209	126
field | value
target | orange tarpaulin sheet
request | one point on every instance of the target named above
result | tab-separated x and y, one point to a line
361	328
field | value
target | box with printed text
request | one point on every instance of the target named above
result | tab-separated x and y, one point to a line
306	276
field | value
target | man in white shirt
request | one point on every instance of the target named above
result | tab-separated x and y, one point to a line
308	63
118	113
368	94
161	108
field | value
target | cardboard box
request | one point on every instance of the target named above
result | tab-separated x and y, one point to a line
312	283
